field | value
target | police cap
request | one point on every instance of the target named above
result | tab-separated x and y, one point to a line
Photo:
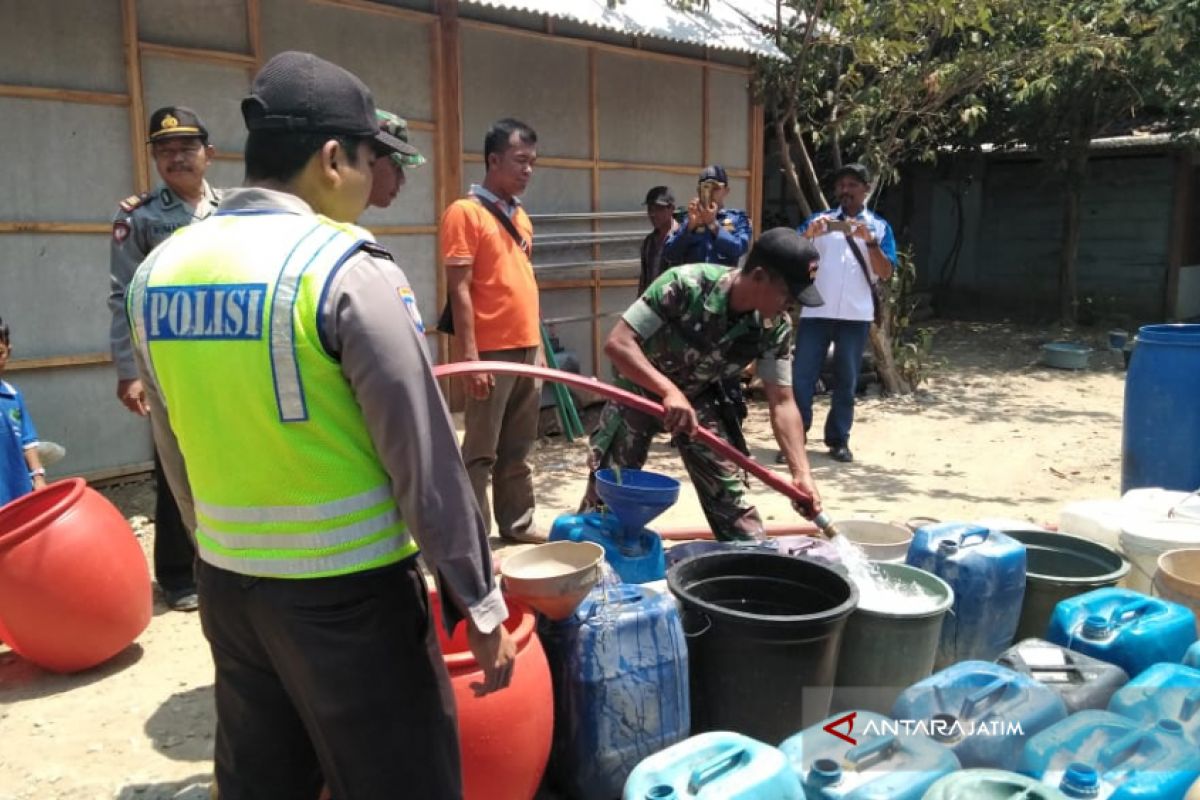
789	255
714	172
176	122
300	92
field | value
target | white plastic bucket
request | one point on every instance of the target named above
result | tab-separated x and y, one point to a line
1098	520
1178	579
881	541
1143	542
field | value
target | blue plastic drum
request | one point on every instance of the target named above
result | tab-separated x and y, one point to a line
1161	435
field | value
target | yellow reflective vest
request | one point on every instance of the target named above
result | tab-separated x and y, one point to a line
285	478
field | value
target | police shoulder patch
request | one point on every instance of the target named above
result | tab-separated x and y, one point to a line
135	200
410	303
120	231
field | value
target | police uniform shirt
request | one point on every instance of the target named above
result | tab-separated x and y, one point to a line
142	223
725	247
369	322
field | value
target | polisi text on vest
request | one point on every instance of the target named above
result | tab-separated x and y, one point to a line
213	311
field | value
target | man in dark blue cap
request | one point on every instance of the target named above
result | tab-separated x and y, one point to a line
307	440
179	145
711	233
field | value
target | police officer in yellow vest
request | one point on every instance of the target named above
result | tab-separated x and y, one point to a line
301	425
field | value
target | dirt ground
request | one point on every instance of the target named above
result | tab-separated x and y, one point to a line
991	434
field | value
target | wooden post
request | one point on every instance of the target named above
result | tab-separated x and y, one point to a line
137	109
594	137
254	33
448	85
704	114
754	203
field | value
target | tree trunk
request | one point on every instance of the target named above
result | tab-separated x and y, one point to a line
1068	296
806	166
885	365
789	170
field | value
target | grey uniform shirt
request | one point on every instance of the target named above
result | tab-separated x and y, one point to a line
141	224
370	325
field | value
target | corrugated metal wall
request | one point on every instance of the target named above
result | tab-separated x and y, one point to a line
612	122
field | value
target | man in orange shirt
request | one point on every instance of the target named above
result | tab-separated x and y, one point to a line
486	240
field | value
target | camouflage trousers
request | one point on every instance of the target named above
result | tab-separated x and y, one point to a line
623	438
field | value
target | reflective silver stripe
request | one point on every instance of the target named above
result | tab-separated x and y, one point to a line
283	567
304	540
310	513
285	370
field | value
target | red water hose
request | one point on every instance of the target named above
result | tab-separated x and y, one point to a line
646	406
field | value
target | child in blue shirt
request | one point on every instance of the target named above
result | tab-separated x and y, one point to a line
20	468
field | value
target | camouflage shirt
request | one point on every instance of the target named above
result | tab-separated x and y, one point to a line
690	335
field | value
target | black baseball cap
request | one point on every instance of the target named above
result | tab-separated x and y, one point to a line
854	170
714	172
659	196
176	122
789	255
300	92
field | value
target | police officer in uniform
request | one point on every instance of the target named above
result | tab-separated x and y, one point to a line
179	144
709	233
303	431
695	327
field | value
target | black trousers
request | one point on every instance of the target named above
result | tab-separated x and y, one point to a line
338	680
174	551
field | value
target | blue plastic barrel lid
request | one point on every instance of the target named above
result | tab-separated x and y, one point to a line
1080	780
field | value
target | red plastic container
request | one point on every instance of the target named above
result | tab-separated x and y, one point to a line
74	586
504	736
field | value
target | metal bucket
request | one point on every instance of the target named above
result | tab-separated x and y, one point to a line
886	651
1059	566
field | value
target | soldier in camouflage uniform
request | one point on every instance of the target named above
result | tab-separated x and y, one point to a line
696	326
179	144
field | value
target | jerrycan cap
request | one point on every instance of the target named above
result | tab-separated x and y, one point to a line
1171	726
947	547
1080	780
945	729
824	772
1096	626
662	791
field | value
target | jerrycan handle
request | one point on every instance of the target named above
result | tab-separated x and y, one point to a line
1133	608
714	768
1190	707
982	695
1123	749
973	532
866	755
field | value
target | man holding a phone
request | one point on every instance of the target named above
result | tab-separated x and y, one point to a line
857	250
711	233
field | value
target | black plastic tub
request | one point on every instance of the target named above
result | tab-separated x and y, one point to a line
764	631
1058	566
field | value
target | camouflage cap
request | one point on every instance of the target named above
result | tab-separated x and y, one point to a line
398	127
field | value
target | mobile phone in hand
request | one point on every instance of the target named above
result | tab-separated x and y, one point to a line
838	226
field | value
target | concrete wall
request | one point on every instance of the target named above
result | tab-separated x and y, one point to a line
71	161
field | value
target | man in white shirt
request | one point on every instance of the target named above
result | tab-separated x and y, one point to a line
845	318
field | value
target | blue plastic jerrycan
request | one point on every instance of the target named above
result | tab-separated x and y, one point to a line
986	570
1192	657
1102	754
620	672
883	762
982	711
1165	691
635	559
1123	627
718	765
